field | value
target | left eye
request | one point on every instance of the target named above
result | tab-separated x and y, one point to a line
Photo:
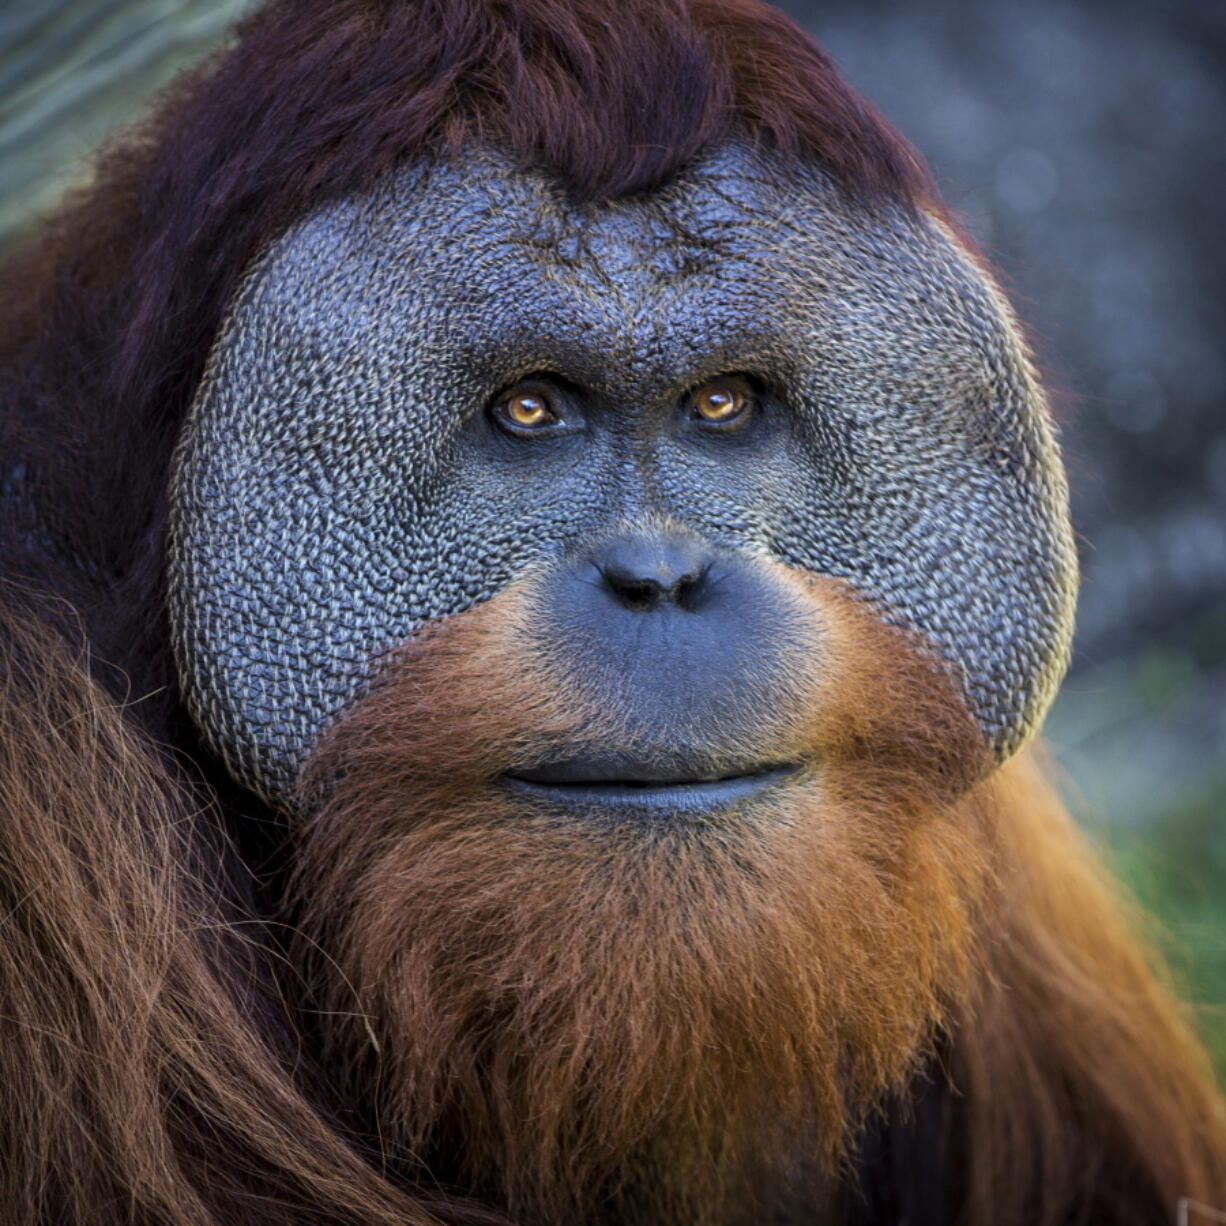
524	411
722	403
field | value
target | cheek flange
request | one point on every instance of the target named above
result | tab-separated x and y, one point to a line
319	518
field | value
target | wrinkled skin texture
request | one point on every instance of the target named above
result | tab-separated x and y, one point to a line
339	485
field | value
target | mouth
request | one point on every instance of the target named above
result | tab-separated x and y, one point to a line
642	789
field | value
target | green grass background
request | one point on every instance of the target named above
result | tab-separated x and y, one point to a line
1176	868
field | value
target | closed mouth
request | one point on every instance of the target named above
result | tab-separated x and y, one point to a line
640	789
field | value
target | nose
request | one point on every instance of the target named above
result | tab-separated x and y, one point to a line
644	573
690	647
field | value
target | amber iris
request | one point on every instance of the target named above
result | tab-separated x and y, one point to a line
526	410
721	402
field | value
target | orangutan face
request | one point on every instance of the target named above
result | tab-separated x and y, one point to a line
620	599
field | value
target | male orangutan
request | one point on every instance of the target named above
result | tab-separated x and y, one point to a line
533	552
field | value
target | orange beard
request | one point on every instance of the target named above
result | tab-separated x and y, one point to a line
586	1021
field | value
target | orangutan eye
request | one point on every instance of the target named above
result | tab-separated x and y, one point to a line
525	411
724	404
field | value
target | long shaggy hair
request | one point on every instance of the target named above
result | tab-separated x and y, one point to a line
146	1080
901	972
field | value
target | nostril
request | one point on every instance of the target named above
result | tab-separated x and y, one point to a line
685	592
642	595
647	573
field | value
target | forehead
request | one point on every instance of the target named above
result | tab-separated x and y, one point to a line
742	262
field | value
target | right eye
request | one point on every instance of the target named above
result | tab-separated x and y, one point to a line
525	411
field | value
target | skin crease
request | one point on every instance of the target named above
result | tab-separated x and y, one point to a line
337	487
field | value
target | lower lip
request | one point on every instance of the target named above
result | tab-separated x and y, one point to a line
658	800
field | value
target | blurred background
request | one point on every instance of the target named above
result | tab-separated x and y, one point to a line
1084	144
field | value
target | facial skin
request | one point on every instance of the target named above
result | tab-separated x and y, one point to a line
350	473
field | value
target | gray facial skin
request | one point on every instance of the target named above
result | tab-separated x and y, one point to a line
339	483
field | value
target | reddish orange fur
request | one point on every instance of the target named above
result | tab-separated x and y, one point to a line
670	1019
143	1080
1081	1069
140	1085
669	1022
